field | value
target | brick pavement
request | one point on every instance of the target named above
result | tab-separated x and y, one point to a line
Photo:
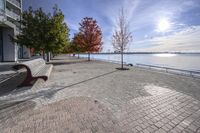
77	114
164	111
6	75
93	97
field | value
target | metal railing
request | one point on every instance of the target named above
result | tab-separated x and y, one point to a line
12	14
190	73
195	74
15	3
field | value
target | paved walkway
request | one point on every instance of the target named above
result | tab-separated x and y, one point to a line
8	77
83	96
6	71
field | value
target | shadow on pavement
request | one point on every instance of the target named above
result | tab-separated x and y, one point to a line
11	110
12	83
50	92
6	67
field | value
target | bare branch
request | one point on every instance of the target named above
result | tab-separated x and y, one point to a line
121	37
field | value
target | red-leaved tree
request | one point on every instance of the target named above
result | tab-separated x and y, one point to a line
76	46
89	37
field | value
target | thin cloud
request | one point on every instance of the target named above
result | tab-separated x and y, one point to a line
185	40
143	17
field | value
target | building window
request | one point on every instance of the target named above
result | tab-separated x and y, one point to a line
2	5
1	45
2	10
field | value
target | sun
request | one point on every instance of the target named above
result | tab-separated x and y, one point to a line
163	25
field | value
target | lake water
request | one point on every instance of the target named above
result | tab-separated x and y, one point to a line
180	61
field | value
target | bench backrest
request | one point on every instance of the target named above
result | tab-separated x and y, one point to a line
34	65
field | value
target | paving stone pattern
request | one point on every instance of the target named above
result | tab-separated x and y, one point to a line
6	75
93	97
164	111
168	111
77	114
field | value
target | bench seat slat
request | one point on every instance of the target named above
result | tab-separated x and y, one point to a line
45	71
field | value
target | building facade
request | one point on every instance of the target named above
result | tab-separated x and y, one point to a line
10	13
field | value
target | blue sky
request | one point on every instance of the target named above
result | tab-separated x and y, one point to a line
156	25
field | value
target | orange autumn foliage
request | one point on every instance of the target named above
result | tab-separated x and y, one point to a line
89	38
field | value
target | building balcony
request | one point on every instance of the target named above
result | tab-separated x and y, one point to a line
15	3
2	16
2	12
18	29
12	15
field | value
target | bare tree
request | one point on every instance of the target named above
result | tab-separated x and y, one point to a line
122	36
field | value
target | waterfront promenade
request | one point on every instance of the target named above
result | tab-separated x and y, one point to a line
89	97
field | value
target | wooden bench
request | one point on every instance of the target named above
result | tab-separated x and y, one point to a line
36	68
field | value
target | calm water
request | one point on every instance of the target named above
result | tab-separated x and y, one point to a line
181	61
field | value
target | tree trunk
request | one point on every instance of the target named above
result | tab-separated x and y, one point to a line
88	56
51	56
43	54
78	55
48	56
122	60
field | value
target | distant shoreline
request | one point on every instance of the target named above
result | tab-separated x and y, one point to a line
148	53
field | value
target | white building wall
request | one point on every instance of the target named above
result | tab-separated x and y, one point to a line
26	52
10	50
16	52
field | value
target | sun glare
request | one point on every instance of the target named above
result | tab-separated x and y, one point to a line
165	55
163	25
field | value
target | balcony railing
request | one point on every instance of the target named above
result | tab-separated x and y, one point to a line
12	15
15	3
